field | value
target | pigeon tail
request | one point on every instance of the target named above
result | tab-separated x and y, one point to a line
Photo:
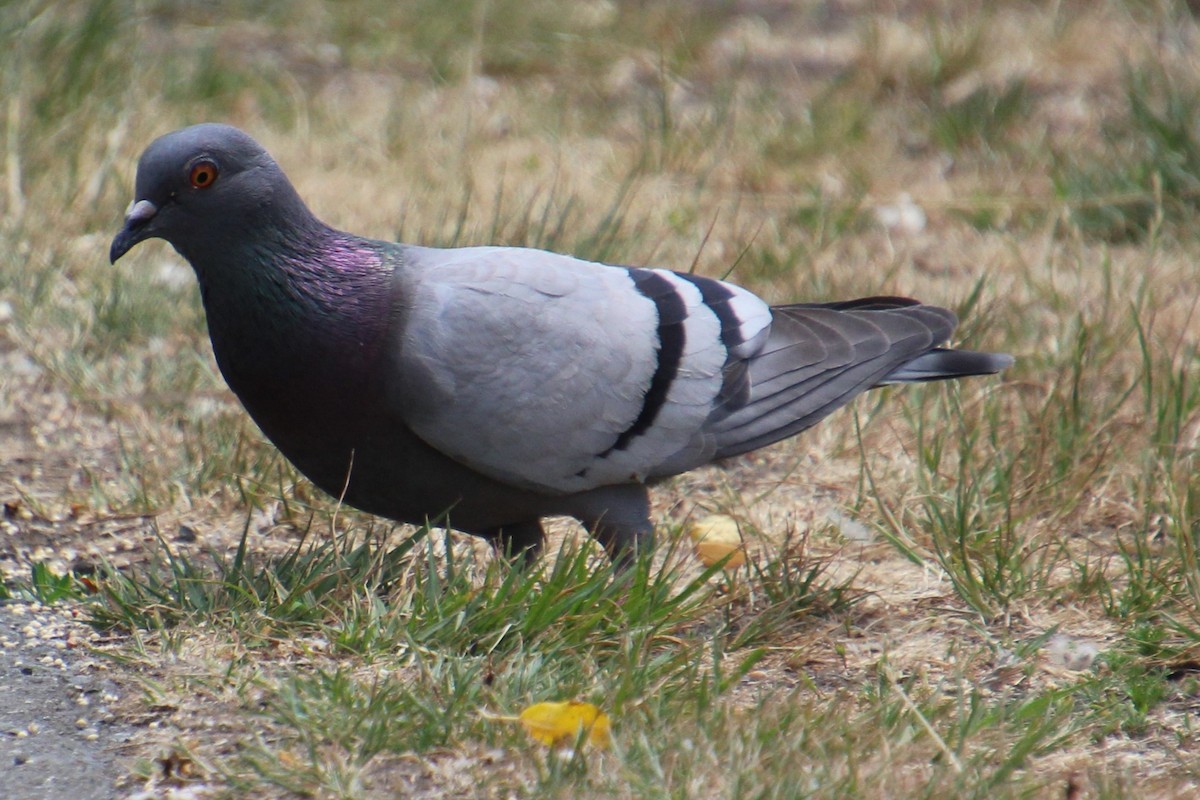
942	363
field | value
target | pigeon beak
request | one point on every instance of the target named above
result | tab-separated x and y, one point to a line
135	229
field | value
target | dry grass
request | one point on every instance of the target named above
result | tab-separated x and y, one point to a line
989	590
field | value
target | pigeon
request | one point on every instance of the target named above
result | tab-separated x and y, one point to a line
485	388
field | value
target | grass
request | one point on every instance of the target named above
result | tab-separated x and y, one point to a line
1146	174
915	563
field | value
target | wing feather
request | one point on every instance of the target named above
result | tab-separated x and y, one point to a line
820	356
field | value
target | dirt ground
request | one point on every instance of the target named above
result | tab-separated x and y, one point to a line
59	735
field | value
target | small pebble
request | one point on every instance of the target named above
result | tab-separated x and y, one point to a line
904	216
1073	654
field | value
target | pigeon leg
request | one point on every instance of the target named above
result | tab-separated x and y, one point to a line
619	518
624	541
519	543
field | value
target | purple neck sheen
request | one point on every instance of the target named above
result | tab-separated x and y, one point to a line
335	273
332	290
305	304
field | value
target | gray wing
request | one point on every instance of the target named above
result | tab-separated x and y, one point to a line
818	357
561	375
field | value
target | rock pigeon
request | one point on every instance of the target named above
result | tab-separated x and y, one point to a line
484	388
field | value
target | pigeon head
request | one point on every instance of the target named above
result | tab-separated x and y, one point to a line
203	188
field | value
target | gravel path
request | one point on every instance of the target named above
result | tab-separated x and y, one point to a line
58	739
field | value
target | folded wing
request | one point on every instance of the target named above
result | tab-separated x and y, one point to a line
551	373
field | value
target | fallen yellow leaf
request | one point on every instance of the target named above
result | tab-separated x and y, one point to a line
559	723
715	537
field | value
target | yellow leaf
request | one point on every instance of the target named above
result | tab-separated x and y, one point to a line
715	537
561	723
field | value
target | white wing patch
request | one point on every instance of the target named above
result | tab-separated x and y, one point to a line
753	318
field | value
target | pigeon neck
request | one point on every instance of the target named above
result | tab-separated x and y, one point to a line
297	309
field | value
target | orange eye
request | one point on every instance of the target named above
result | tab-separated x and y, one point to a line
203	174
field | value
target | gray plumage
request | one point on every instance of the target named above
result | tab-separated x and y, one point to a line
488	387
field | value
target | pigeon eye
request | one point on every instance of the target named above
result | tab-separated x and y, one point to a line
203	174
